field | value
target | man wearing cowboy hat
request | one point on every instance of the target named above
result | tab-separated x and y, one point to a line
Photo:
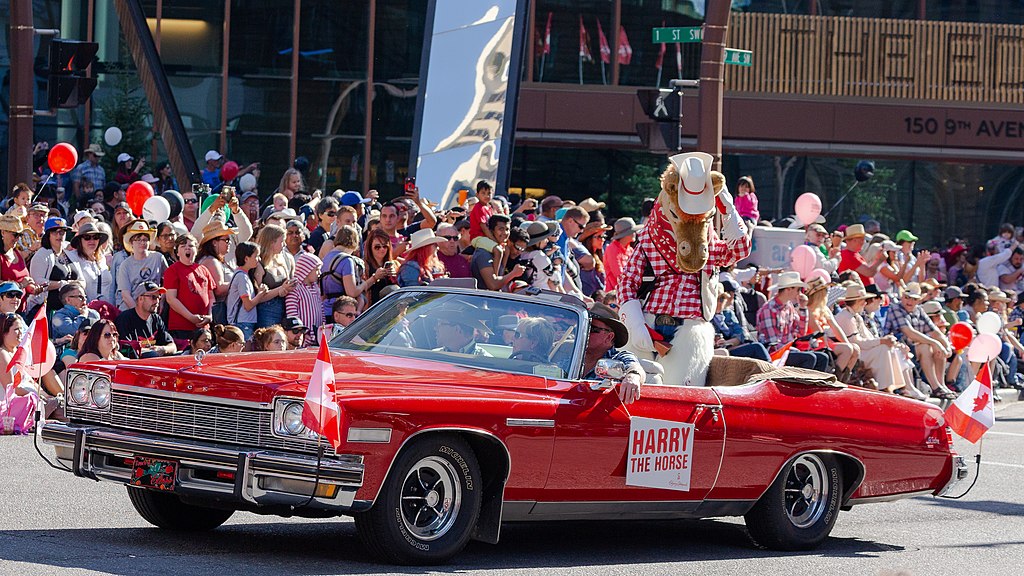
607	335
909	323
90	170
142	266
780	322
456	328
850	258
619	251
680	303
31	239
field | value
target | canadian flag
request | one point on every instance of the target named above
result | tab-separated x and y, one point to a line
606	51
973	412
546	49
320	411
780	356
35	354
584	43
625	50
660	60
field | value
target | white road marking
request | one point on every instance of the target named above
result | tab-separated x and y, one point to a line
1006	433
1002	464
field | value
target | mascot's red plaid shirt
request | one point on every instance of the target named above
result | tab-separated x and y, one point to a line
676	293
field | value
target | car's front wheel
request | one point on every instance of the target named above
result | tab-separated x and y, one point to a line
800	508
428	505
168	511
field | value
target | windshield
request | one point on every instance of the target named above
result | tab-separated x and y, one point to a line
479	331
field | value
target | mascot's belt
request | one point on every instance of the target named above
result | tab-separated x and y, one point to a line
666	320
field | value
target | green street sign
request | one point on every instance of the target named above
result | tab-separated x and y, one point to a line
739	57
678	35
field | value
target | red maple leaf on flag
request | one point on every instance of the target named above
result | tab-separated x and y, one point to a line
980	402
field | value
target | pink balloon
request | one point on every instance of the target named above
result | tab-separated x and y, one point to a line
984	348
808	208
803	261
819	273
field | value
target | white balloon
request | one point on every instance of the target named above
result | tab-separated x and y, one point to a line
989	323
984	348
157	209
112	136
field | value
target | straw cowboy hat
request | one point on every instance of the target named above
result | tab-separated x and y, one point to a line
421	238
11	223
216	229
788	280
912	290
854	231
696	192
815	284
590	205
134	229
856	292
95	149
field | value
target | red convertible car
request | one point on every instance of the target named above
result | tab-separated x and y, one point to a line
443	441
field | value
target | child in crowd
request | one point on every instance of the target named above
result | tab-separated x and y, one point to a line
243	294
304	301
746	199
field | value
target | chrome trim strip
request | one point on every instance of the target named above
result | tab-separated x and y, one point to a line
528	510
530	422
887	498
143	391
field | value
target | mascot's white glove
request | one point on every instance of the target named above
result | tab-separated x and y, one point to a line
733	227
632	316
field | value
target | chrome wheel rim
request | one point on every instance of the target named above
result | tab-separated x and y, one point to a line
806	491
431	498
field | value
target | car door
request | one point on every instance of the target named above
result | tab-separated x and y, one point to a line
592	440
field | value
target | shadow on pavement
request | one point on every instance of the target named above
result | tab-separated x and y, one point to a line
332	548
991	506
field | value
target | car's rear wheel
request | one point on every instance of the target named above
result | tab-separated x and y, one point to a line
168	511
800	508
428	505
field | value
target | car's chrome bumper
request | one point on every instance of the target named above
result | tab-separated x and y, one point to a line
247	478
958	475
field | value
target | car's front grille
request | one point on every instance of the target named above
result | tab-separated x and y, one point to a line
206	421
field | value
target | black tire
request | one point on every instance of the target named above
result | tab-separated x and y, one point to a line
800	507
428	506
169	512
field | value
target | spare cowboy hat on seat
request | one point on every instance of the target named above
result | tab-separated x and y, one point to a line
696	191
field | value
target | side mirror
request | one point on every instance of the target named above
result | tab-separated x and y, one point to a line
610	372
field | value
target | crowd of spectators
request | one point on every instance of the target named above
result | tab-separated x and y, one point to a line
240	275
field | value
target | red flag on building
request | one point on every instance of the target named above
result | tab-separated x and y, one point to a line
606	51
35	354
320	410
546	49
679	61
973	412
661	53
584	43
625	50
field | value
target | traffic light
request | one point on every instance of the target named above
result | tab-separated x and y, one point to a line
660	105
67	83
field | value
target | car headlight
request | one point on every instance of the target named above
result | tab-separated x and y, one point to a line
291	419
78	389
101	392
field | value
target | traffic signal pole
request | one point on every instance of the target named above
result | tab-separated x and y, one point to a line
709	99
22	137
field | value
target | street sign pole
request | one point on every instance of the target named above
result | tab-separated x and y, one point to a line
678	86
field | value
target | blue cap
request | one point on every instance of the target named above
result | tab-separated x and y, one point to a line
353	198
55	223
8	287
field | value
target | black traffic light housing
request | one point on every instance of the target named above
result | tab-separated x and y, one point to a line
67	83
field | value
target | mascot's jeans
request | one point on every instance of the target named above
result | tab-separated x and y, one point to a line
812	360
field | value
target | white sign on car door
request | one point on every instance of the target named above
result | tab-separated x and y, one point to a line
660	454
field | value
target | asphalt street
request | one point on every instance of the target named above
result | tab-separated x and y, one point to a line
54	524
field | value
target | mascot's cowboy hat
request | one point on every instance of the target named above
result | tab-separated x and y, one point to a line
696	191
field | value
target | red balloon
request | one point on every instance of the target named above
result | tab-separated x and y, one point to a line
229	171
138	193
960	335
62	158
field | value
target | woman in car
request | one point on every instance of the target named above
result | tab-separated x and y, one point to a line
533	340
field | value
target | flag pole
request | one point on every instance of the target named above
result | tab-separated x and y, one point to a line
581	68
543	59
659	77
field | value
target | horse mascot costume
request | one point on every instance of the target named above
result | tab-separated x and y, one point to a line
668	289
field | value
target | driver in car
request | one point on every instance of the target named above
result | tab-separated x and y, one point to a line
456	329
607	334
